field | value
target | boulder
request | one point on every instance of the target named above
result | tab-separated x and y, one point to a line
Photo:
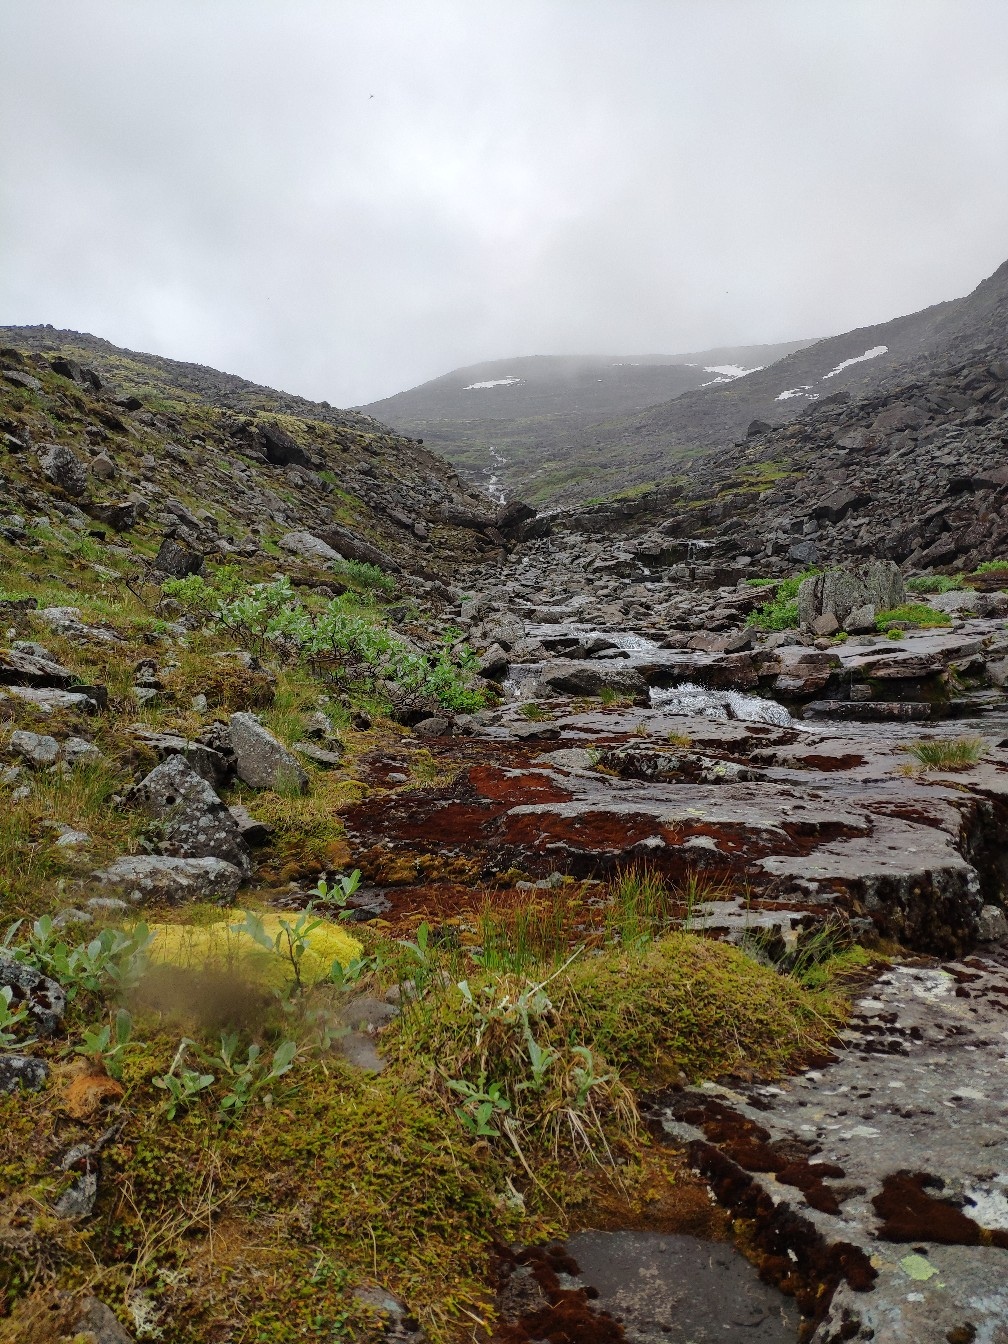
837	505
494	664
155	879
993	925
102	467
63	468
897	417
281	448
176	560
757	427
962	601
877	584
37	749
22	1071
215	764
353	547
307	546
260	760
120	517
82	376
512	517
43	997
194	822
569	677
28	664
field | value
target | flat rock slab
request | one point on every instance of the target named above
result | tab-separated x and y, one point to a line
894	1148
824	823
669	1289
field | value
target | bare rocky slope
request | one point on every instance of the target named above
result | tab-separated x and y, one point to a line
503	422
600	455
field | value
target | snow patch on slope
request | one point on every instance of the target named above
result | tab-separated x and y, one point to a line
873	353
494	382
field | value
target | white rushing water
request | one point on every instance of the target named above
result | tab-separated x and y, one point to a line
692	700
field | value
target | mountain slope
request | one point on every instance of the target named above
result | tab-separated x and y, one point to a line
266	462
505	417
659	443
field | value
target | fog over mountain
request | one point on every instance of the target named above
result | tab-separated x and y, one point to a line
347	200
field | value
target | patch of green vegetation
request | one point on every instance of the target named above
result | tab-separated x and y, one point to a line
992	567
781	611
917	615
936	583
948	753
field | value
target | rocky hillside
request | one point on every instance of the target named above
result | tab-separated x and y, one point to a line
916	471
669	443
502	422
137	444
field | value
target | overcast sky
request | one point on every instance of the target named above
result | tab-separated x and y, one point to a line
345	199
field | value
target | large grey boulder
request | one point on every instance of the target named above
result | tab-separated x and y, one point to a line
194	822
44	997
38	749
63	468
155	879
964	602
877	584
569	677
307	546
260	760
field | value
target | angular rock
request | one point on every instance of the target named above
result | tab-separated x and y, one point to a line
194	822
47	699
837	505
44	997
494	664
37	749
98	1323
328	759
152	879
280	448
120	517
103	467
353	547
214	765
839	592
567	677
176	559
30	665
260	760
22	1071
993	925
307	546
253	831
63	468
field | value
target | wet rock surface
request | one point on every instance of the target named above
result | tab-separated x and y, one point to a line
891	1152
810	822
661	1287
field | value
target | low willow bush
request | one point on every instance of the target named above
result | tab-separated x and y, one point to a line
340	640
780	612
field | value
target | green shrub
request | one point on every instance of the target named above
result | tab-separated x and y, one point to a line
781	611
992	566
936	583
362	575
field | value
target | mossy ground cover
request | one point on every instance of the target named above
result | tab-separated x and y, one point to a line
340	1179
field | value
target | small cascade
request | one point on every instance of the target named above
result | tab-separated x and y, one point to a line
689	699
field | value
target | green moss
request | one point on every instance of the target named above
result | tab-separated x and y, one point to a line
915	614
